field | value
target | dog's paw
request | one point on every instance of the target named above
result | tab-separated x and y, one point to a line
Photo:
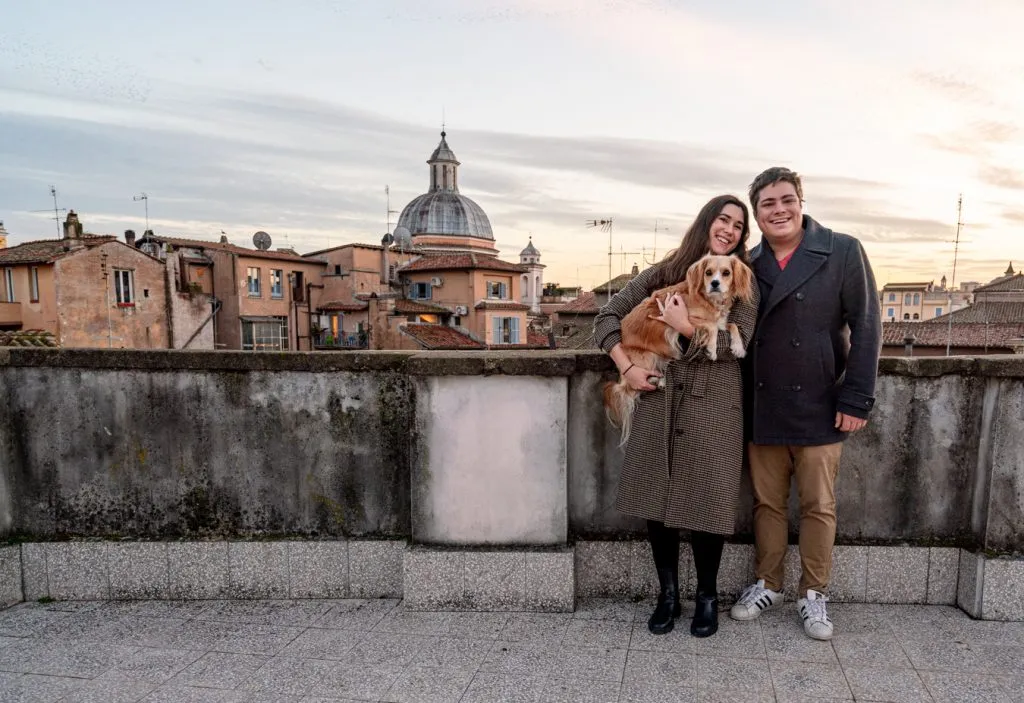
738	351
660	382
713	354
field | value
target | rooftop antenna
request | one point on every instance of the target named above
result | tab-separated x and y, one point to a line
145	200
390	212
657	228
606	225
952	282
624	254
56	211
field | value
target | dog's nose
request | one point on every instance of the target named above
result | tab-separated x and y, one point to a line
715	283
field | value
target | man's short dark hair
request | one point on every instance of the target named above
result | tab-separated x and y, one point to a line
772	176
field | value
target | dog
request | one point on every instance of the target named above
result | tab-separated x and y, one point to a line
711	286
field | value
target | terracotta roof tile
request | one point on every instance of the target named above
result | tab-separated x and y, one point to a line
1003	284
449	262
585	304
341	306
241	251
48	250
414	307
935	334
500	305
987	312
439	337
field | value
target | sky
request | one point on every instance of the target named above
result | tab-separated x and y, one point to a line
239	116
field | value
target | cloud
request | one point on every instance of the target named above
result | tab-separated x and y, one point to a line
953	87
1011	179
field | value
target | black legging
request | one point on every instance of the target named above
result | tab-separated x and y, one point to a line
707	553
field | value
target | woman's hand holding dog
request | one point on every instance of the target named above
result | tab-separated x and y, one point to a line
675	314
636	377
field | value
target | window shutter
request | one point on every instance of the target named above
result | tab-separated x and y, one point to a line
496	322
515	330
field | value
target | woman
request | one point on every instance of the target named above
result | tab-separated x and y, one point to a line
684	456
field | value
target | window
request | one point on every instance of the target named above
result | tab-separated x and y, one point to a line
276	283
252	278
497	289
419	291
124	287
916	316
938	311
265	335
337	269
890	312
9	285
506	330
892	297
917	298
298	287
33	284
906	316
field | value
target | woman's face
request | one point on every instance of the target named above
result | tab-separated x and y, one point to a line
726	230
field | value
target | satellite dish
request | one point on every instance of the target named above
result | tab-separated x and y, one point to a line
261	240
403	237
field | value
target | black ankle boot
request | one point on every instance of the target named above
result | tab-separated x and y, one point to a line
705	615
668	609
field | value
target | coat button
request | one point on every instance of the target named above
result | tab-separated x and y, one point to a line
799	296
795	342
796	388
757	343
760	384
680	387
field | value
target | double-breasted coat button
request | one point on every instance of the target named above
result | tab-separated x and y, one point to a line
795	342
680	387
799	296
796	388
760	384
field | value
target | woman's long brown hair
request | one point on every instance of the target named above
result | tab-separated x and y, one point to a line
672	269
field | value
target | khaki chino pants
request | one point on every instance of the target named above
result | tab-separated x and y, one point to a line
815	469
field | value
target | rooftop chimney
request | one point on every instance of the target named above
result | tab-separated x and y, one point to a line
3	235
129	237
385	268
72	227
636	270
223	239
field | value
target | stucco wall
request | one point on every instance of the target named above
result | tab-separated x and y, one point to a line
442	446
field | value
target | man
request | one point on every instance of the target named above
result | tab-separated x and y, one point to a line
809	387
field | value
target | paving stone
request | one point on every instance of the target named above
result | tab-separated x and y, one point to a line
357	614
31	687
550	581
674	643
957	687
593	663
109	691
426	685
943	574
316	643
79	659
897	575
785	640
603	568
874	650
733	639
258	569
197	570
888	684
152	665
318	569
295	613
344	680
741	678
531	627
526	658
193	694
77	570
375	568
655	692
220	670
473	625
287	676
797	679
410	622
598	633
505	688
678	670
572	690
386	649
605	609
138	570
453	653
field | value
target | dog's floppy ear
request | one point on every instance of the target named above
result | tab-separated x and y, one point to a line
695	277
742	280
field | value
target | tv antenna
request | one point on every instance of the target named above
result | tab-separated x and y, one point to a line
56	211
390	212
606	225
145	199
952	282
624	254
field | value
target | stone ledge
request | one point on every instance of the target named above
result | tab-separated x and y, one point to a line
11	578
437	363
991	588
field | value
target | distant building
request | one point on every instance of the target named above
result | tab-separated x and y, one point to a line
85	290
920	301
574	328
992	324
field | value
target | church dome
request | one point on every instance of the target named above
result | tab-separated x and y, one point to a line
530	250
443	210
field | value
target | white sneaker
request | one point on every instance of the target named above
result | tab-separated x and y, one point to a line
755	600
815	616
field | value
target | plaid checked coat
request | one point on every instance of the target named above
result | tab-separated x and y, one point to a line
684	457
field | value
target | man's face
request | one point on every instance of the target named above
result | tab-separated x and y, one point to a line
779	212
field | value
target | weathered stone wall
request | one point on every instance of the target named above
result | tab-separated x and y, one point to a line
507	448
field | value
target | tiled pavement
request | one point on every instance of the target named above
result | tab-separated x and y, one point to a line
317	650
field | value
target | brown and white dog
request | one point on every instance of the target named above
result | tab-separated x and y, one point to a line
712	284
